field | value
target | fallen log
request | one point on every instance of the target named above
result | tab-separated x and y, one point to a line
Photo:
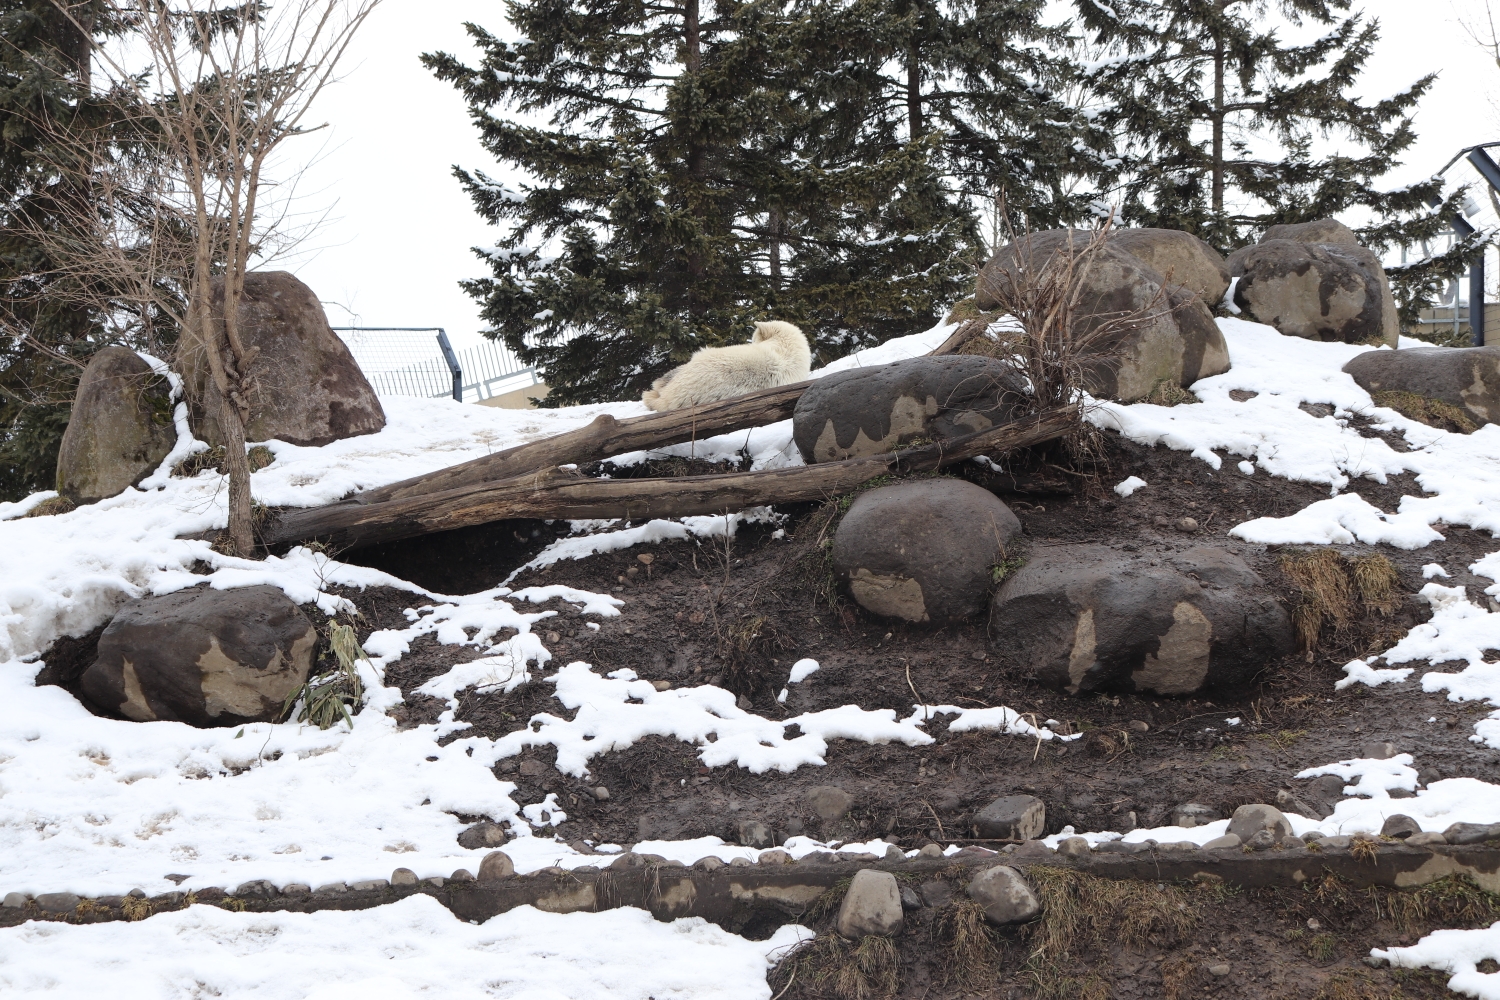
607	436
559	493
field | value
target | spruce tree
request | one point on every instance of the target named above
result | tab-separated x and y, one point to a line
673	188
1225	127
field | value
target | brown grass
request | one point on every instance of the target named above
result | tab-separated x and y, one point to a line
1432	412
1168	393
832	967
974	955
1335	588
1083	912
51	506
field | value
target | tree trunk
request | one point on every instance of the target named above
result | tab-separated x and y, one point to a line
773	223
552	493
1218	126
697	156
914	89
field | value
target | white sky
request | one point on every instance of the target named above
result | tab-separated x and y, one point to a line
398	230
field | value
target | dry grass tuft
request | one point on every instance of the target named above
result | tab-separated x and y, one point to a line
1168	393
1179	975
51	506
325	698
1364	849
974	955
136	908
838	969
1335	588
1083	912
1375	578
1432	412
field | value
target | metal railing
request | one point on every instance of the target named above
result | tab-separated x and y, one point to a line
474	374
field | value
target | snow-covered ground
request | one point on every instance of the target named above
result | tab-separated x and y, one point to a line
97	806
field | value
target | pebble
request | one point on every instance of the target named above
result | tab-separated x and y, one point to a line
662	685
405	876
14	901
830	802
601	793
1140	727
296	889
739	863
1222	969
462	875
1426	839
1186	525
331	887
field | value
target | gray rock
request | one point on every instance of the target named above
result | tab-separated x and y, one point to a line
1401	793
1319	291
1122	847
1332	231
15	901
1083	617
1005	896
909	898
1378	751
369	885
872	411
497	865
1073	847
1334	842
1221	969
258	889
1288	801
1465	377
462	875
754	833
120	429
924	550
830	802
1426	839
1471	833
709	864
780	857
936	893
871	906
1249	820
58	902
1175	339
1261	840
1181	258
1399	826
1428	775
203	656
331	888
481	835
308	388
1012	817
1223	843
405	876
1191	814
296	889
1323	794
930	851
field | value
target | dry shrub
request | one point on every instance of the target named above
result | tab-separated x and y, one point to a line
51	506
1432	412
973	955
1375	578
1335	588
1083	912
747	647
832	967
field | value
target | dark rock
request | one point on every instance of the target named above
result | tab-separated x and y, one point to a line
203	656
936	893
1082	617
1012	817
1260	840
830	802
1249	820
462	875
1467	378
1181	258
259	889
58	902
872	905
1319	291
1378	751
909	898
872	411
1471	833
120	429
923	550
1173	338
308	388
1005	896
1400	827
1401	793
1428	775
481	835
1324	793
754	833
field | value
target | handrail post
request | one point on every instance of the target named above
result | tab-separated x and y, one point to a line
452	359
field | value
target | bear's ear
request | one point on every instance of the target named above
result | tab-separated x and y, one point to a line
759	334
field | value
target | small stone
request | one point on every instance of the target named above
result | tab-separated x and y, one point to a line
531	768
909	898
930	851
210	895
1426	839
1012	817
1400	827
1222	843
647	558
754	833
1031	849
296	889
601	793
405	876
113	902
662	685
709	864
553	637
1428	775
830	802
629	859
1186	525
462	875
1336	841
258	889
871	906
1122	847
437	881
1222	969
894	853
739	862
484	833
776	857
1191	814
1004	895
1378	751
58	902
369	885
936	893
1136	725
14	901
496	865
1073	847
1261	840
1250	819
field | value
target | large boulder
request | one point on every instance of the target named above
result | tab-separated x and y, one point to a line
1182	259
1465	377
1316	280
308	390
1141	329
1086	617
120	429
872	411
202	656
924	550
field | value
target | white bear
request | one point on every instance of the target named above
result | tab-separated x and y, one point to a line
777	355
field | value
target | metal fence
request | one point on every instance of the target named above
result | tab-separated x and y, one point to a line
419	361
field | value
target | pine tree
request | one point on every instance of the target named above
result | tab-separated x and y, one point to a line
1223	124
675	189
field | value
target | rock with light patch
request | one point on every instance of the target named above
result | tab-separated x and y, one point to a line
202	656
1249	820
1004	895
1182	258
1467	378
1085	617
926	550
1012	817
872	411
872	905
1308	287
483	834
1191	814
1400	826
830	802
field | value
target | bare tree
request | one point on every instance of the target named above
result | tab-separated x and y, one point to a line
176	196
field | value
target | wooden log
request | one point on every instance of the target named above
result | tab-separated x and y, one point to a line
556	493
607	436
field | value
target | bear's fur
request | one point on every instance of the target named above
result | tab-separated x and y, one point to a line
777	355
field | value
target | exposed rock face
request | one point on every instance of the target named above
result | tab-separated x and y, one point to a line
1171	336
871	906
1182	258
205	657
923	550
120	429
872	411
308	388
1315	280
1085	617
1005	895
1466	377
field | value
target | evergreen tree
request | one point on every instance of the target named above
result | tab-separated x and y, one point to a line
1219	118
676	188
